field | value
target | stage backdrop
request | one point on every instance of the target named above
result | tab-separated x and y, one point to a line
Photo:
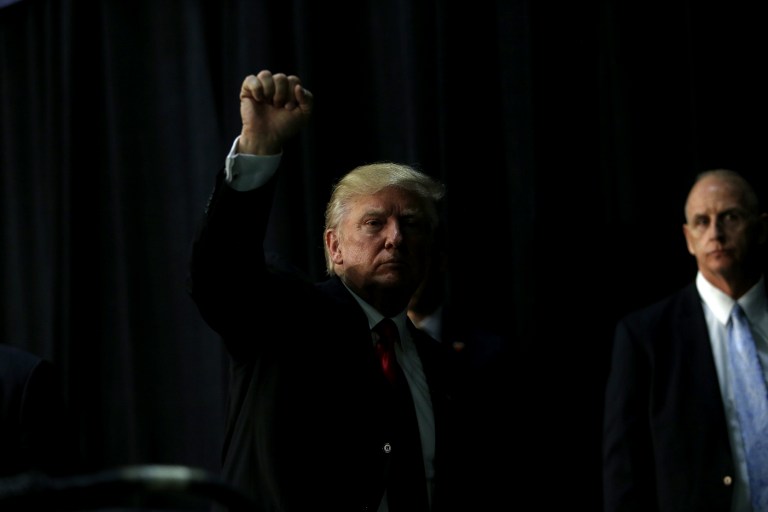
115	117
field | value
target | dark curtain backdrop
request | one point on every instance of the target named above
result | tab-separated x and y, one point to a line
115	117
682	90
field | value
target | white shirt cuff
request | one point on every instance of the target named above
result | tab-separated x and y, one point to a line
246	172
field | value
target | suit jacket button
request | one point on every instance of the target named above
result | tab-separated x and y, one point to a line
727	480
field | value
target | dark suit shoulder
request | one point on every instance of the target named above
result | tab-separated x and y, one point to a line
333	289
680	304
36	431
13	359
17	366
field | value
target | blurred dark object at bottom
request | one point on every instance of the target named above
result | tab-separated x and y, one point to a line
147	487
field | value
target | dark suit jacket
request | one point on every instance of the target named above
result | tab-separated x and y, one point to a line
34	430
665	445
492	473
305	426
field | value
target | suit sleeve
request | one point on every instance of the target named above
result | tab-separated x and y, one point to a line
238	292
628	462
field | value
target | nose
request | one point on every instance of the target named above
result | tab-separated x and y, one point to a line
393	235
718	228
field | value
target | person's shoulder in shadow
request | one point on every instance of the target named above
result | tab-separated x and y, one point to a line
36	429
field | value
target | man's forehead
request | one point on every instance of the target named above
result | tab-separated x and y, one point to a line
714	195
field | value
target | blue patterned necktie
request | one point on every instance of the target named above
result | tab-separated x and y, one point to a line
751	401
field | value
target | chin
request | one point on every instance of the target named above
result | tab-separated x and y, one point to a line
393	280
720	262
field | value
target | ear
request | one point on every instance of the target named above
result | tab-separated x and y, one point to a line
333	246
688	240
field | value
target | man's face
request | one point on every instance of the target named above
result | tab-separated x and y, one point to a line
721	231
382	242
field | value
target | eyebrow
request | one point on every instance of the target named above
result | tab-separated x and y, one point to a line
734	209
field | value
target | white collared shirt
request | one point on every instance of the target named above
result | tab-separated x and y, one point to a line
245	172
717	310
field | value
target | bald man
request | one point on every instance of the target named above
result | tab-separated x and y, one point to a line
671	438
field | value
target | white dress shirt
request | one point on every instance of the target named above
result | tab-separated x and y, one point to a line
717	310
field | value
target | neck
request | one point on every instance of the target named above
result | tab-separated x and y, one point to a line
388	301
734	285
387	306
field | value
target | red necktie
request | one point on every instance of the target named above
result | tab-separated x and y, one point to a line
387	337
406	487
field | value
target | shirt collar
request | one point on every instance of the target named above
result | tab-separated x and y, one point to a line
753	302
374	317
